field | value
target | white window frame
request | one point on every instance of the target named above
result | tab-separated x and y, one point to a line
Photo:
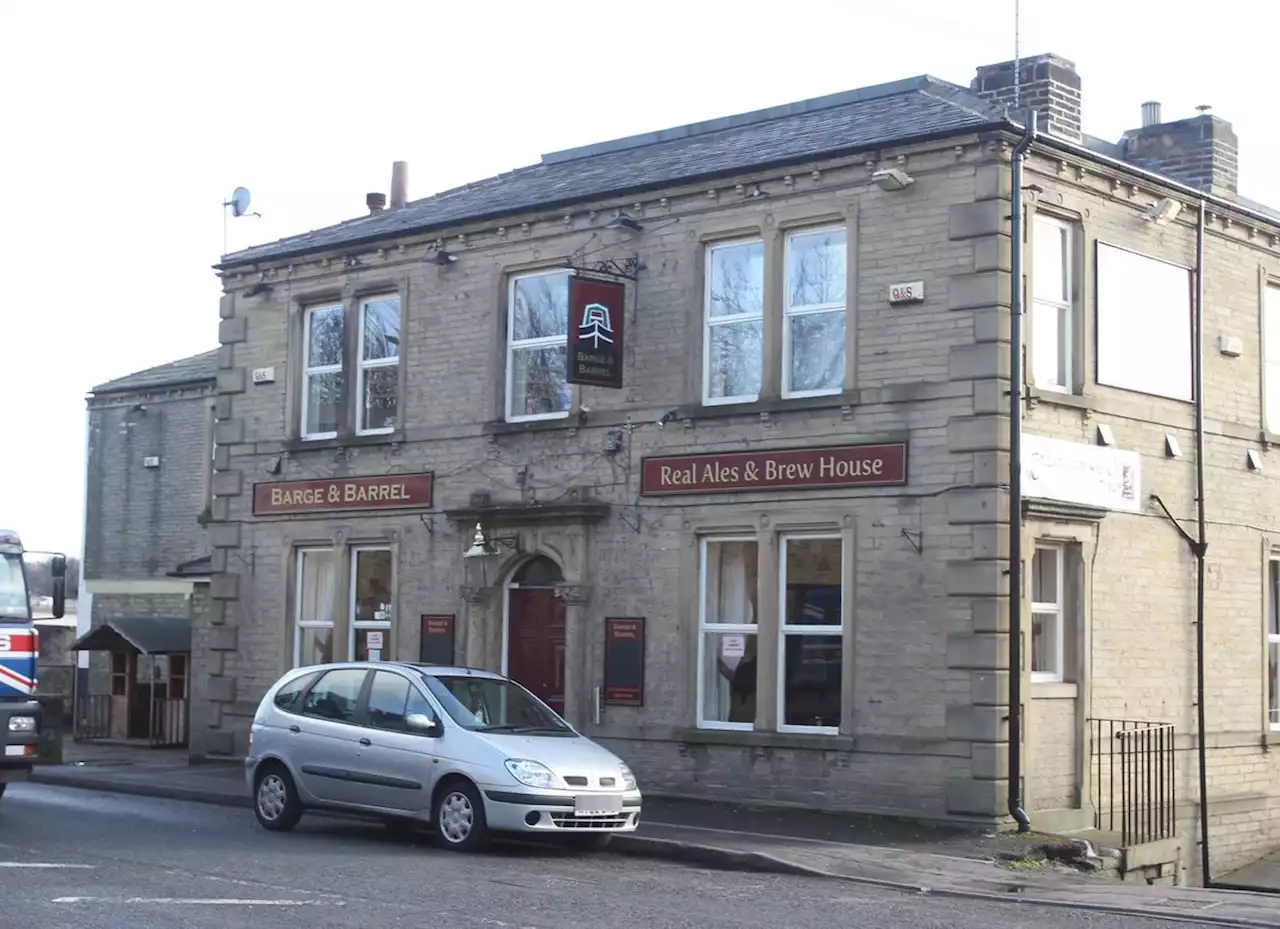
709	322
299	623
309	370
1270	365
1058	609
1041	308
1273	643
514	344
363	366
366	624
705	629
789	312
784	630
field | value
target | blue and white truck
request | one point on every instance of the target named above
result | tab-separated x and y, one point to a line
20	716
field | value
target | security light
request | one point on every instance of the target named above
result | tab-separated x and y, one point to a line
891	179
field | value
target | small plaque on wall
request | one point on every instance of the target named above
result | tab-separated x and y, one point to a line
437	639
624	661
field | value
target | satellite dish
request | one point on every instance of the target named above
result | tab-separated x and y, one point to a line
239	201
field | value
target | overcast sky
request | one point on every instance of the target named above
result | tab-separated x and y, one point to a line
126	126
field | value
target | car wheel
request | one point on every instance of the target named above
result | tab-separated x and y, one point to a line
459	817
275	799
591	842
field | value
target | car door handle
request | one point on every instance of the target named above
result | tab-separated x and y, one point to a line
295	729
365	742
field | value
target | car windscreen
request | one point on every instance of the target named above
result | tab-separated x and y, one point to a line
486	704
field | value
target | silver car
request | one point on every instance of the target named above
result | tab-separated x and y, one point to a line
469	751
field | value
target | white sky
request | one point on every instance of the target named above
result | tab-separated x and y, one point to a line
127	124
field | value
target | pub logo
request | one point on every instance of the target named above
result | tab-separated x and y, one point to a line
595	338
778	469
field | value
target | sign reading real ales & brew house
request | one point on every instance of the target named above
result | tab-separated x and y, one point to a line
381	492
779	469
596	328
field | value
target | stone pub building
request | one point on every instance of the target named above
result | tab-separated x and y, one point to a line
703	436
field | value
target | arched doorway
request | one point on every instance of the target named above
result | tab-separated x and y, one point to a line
534	637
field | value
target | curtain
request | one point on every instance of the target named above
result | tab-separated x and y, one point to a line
729	601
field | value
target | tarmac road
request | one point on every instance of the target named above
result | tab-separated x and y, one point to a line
75	859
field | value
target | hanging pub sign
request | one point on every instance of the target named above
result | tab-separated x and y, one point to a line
596	328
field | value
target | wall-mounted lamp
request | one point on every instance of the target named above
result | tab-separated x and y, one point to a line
1253	460
438	255
1105	435
891	179
1171	447
258	288
1163	211
483	546
626	222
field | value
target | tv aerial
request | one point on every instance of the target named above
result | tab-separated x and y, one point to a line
239	206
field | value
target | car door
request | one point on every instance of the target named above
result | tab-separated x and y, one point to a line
397	764
326	744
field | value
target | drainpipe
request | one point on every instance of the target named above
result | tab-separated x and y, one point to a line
1200	547
1015	488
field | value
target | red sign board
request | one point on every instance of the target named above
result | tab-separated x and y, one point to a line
383	492
597	324
780	469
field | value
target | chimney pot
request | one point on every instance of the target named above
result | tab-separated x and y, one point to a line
1203	108
376	202
399	184
1151	113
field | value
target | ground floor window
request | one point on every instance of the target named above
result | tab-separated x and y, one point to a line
314	602
370	626
317	606
1048	612
1273	641
809	633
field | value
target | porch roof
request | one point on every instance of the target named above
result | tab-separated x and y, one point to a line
147	635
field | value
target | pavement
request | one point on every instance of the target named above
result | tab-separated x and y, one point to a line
878	852
83	859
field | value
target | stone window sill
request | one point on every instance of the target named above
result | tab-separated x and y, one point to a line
757	739
341	441
1055	690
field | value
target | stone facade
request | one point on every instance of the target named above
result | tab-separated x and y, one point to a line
923	711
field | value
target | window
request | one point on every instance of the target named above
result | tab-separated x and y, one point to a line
1271	358
1048	611
814	313
177	677
119	674
727	675
1273	642
491	703
389	700
288	693
379	368
1052	319
537	343
335	695
370	626
322	340
317	591
733	334
811	652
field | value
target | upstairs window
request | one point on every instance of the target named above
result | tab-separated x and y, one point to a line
537	346
814	311
733	329
1052	316
1271	359
378	386
322	375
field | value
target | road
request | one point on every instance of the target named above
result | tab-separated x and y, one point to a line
73	858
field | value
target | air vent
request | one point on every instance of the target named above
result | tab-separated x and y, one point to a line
606	782
576	781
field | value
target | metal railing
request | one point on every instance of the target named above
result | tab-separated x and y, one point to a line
168	727
1134	773
93	717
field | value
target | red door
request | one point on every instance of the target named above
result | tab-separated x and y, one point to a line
535	643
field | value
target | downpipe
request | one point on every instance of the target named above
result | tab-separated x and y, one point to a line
1015	485
1200	548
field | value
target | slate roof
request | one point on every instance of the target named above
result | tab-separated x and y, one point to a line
150	635
194	370
196	567
822	127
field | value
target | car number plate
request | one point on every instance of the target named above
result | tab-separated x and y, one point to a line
18	750
597	806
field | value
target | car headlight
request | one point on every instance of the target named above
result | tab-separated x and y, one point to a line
628	779
22	724
532	773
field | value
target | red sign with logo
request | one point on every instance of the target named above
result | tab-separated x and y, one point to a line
597	324
383	492
782	469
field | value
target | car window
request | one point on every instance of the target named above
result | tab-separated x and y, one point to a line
287	695
492	704
334	695
392	699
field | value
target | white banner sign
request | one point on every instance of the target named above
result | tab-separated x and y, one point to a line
1073	472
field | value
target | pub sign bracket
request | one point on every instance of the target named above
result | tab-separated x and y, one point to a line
627	269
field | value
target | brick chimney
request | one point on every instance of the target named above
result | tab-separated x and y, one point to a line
1202	151
1049	84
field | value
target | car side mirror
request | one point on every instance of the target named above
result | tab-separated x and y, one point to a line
424	724
59	572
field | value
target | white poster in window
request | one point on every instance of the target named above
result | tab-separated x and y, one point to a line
375	654
733	646
374	640
1073	472
1144	324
